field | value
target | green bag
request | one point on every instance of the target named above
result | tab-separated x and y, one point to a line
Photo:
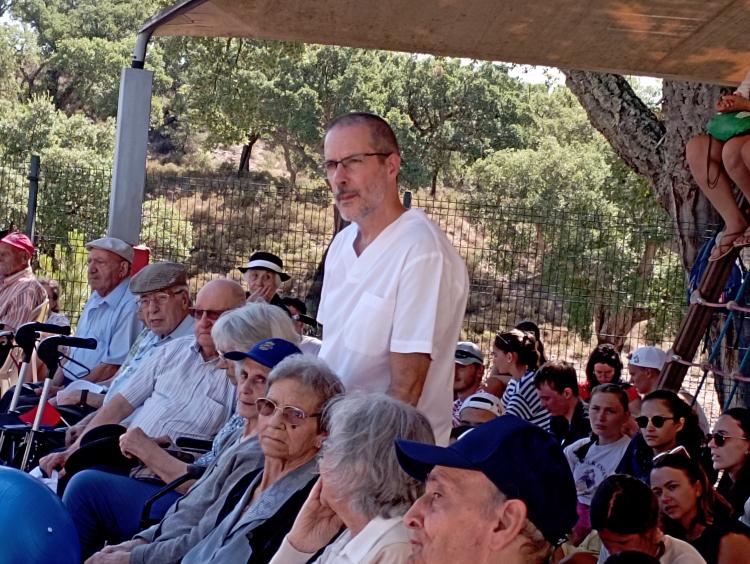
725	125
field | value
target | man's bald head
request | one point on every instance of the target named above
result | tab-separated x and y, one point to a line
223	289
216	297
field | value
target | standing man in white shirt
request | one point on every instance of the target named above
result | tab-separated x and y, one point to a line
395	290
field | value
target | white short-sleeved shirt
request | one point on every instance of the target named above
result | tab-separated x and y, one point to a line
600	461
406	293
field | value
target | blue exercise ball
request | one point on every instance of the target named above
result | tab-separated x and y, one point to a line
34	525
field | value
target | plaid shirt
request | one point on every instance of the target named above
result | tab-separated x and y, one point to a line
20	293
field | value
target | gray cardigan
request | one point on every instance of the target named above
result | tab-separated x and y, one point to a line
230	540
199	508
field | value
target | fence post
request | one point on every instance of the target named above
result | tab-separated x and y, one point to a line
407	199
33	192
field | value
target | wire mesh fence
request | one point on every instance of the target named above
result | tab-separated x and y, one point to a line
584	278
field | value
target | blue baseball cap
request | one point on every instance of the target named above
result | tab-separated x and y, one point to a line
268	352
524	462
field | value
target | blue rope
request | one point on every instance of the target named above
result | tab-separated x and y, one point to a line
744	365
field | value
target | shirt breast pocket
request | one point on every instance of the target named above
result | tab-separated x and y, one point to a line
371	325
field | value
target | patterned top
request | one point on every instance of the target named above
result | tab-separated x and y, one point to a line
180	393
20	293
524	402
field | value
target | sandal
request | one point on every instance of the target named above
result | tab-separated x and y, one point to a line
726	245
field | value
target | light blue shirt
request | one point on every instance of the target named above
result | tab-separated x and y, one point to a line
146	346
113	321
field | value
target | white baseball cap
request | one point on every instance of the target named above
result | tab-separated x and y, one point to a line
648	357
482	400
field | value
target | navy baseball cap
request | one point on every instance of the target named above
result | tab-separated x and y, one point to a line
268	352
524	462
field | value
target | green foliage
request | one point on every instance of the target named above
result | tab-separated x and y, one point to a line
37	127
601	267
166	231
66	263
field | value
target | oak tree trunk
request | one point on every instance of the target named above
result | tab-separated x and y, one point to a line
654	147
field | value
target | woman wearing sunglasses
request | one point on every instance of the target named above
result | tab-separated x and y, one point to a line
730	452
664	423
693	511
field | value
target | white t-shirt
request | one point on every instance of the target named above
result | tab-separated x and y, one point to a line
676	551
600	462
406	293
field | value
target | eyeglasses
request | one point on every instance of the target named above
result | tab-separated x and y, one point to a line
211	314
158	298
681	450
657	421
292	415
350	163
720	439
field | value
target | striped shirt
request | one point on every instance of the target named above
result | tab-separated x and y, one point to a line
524	402
20	293
180	394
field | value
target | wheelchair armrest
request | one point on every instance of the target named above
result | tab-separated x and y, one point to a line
192	444
194	472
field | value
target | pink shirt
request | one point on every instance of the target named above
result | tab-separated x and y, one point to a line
20	293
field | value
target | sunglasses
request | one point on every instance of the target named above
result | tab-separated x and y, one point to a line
292	415
681	450
719	439
657	421
211	314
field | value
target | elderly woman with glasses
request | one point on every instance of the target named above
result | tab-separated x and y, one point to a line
361	487
730	452
235	451
259	510
693	511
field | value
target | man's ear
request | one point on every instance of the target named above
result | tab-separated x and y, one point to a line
393	164
510	518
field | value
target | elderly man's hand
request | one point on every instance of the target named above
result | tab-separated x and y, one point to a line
54	461
316	524
134	443
73	433
68	397
53	391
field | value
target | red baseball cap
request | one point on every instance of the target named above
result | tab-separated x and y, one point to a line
19	241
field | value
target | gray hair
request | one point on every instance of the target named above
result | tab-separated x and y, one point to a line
535	548
359	457
241	328
309	371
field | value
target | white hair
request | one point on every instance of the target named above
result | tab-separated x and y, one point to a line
359	456
239	329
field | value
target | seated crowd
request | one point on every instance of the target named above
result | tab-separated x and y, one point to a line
299	471
384	442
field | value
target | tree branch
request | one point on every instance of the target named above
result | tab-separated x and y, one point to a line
614	109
